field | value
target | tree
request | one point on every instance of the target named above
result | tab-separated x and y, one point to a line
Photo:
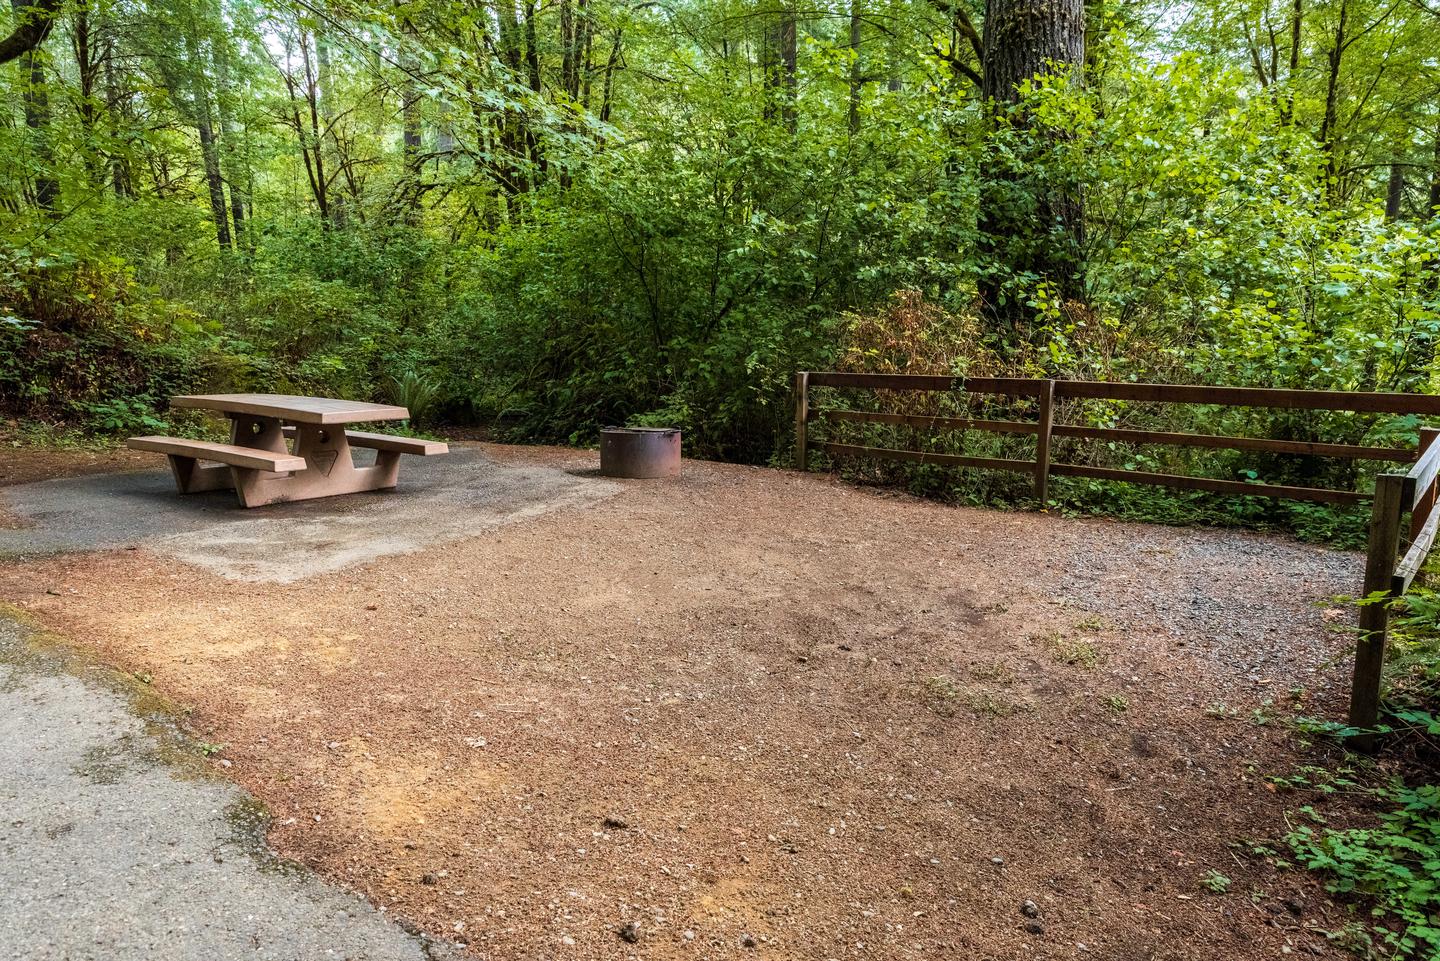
34	20
1032	228
36	99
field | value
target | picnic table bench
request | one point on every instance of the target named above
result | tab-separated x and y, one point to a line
262	469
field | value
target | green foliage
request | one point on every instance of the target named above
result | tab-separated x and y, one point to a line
1395	864
414	391
1390	862
666	235
1215	882
125	415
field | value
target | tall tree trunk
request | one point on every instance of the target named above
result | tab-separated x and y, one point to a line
857	78
411	137
231	167
1030	227
607	87
513	134
532	48
87	107
780	66
36	100
587	70
210	156
1395	191
789	61
190	88
1430	286
567	45
533	147
1332	107
1297	20
305	125
316	135
329	145
122	180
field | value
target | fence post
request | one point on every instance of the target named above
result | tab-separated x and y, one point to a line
802	416
1042	442
1384	542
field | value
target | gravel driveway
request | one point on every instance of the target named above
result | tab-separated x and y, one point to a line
751	711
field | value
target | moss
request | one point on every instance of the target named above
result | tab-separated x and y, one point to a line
33	650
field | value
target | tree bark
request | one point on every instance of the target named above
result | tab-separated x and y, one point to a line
325	75
34	20
1297	20
607	87
515	136
411	137
230	161
36	100
1425	355
1332	107
1022	36
857	78
317	132
210	156
87	106
789	63
193	91
122	180
1395	192
570	46
781	61
1032	228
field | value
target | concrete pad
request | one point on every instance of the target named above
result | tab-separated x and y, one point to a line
439	499
109	853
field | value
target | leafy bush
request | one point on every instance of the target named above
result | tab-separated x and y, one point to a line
1395	864
129	415
414	391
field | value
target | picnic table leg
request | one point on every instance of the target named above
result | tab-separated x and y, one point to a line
262	433
191	478
386	472
330	469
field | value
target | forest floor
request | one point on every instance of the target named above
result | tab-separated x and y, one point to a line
745	712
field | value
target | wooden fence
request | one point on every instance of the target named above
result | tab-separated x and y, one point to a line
1388	572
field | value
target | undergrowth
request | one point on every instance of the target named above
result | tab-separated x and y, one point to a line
1388	864
1393	863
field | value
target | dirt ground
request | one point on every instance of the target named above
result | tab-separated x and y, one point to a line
751	712
29	465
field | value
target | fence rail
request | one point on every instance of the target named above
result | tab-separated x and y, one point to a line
1388	572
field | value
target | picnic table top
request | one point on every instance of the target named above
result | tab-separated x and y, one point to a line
297	410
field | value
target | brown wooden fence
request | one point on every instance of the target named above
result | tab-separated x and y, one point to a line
1388	571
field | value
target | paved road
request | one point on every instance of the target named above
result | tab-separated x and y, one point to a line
439	499
116	846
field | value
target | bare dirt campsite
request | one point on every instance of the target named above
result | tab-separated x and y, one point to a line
745	712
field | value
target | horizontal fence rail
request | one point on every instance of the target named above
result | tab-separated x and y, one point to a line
1388	572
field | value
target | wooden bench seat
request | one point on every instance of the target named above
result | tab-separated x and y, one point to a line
248	458
390	442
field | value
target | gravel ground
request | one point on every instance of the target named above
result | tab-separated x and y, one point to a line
751	712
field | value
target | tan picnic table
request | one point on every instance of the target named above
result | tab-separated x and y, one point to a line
262	469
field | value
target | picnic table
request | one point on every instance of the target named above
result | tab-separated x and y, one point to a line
262	469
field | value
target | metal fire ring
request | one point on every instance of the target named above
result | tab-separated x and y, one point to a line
639	451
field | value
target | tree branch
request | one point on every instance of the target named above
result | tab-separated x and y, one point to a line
36	19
